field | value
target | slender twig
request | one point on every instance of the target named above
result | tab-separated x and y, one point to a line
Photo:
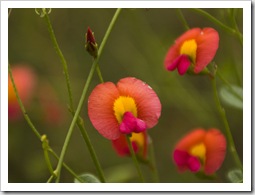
99	74
184	22
153	161
131	149
27	118
85	89
219	23
50	179
62	58
38	135
222	113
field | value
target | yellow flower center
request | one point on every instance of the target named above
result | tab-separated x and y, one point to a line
189	48
124	104
199	151
138	138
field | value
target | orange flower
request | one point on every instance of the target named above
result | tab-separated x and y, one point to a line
196	48
25	80
131	106
139	142
200	150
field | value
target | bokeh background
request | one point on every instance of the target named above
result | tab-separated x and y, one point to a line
136	47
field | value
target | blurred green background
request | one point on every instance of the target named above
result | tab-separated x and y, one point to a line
136	47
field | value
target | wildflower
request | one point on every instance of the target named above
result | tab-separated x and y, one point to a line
193	50
200	150
131	106
25	80
139	143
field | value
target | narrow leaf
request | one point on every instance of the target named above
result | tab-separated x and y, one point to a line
235	176
87	178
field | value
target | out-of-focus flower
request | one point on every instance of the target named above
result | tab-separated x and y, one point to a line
200	150
25	80
131	106
193	50
139	143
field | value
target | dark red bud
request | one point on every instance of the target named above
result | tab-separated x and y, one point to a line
90	36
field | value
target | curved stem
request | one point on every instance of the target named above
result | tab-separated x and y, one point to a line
131	149
99	74
232	148
219	23
38	135
50	179
184	22
85	89
61	56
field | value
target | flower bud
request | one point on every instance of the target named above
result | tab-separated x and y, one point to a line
91	45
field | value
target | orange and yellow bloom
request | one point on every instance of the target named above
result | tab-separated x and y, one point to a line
130	106
200	150
139	143
193	50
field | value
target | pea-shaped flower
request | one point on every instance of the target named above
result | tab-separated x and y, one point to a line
194	49
139	143
130	106
200	150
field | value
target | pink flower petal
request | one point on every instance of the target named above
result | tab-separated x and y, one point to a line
215	143
174	64
100	110
147	101
193	164
183	65
181	157
207	45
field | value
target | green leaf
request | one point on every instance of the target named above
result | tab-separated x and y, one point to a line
235	176
87	178
232	95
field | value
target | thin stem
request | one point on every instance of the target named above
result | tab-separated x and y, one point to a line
50	179
99	74
184	22
219	23
22	106
131	149
65	166
153	161
61	56
46	154
222	113
85	89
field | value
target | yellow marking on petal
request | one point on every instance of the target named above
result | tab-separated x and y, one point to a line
199	151
189	48
138	138
124	104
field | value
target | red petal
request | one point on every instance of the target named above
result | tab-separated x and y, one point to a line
100	110
193	138
147	101
183	64
207	45
174	50
215	143
193	164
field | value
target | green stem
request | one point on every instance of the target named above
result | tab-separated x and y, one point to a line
22	106
30	122
233	20
45	147
184	22
50	179
131	149
232	148
65	166
153	161
99	74
85	89
61	56
216	21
